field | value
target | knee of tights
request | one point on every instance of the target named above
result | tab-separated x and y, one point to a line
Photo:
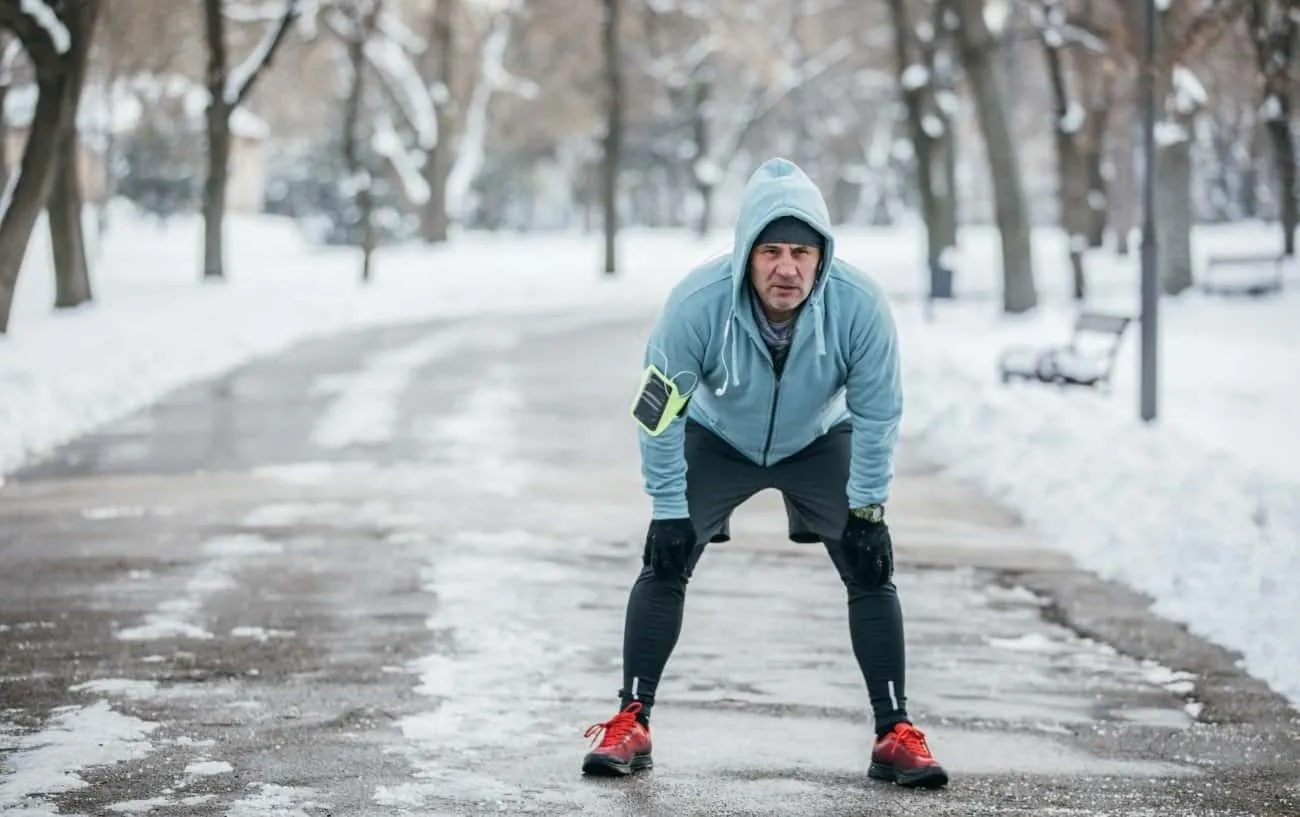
857	590
647	576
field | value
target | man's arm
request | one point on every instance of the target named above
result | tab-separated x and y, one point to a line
677	350
874	395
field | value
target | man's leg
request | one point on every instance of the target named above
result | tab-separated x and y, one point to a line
718	480
814	482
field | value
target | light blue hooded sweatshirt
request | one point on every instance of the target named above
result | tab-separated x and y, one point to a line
843	361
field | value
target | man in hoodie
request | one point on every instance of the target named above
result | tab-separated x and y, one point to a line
775	366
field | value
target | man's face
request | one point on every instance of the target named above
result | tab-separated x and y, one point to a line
783	276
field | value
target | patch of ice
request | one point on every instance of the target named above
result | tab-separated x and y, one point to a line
479	436
477	581
121	687
241	545
115	512
259	633
207	768
1029	642
314	473
1176	681
270	800
177	617
333	514
50	761
365	410
140	806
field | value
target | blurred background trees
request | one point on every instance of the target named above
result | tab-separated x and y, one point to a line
374	122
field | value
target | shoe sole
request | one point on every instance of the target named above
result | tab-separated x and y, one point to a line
606	766
928	777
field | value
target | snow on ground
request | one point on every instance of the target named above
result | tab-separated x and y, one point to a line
1200	510
75	739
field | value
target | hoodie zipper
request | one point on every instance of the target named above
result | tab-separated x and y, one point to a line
771	418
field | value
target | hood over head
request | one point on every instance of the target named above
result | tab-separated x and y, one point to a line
778	188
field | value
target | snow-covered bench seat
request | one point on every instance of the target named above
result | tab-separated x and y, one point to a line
1253	274
1086	360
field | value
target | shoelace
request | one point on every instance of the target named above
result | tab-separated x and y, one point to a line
616	728
913	740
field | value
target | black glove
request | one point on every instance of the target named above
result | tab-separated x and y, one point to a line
868	550
668	544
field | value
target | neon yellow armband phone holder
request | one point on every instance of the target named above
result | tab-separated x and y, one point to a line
657	402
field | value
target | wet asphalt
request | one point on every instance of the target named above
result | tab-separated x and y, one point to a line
384	574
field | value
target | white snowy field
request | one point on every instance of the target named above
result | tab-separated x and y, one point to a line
1200	510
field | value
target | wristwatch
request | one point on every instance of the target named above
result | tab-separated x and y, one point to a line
871	513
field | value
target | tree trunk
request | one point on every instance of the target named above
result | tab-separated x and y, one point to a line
218	133
214	192
1122	202
4	134
945	194
67	236
1094	149
437	167
30	189
1275	30
1284	154
937	209
220	107
613	131
1071	171
1174	215
64	205
1096	86
360	178
979	50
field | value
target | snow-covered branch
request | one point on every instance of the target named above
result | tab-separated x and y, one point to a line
395	28
403	80
387	143
469	155
13	50
240	80
44	16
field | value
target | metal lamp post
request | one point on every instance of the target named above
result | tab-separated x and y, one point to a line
1150	282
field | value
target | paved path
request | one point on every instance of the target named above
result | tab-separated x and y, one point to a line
384	574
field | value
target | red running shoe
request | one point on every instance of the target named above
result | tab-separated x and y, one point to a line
903	757
625	747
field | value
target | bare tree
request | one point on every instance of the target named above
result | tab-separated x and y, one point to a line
1077	127
929	124
613	144
440	72
227	90
362	18
58	46
985	72
1275	32
64	203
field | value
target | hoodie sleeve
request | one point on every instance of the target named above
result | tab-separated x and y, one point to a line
677	348
874	395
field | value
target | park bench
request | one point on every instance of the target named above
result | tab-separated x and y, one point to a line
1252	274
1086	360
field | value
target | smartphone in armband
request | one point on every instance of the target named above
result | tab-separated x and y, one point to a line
657	403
